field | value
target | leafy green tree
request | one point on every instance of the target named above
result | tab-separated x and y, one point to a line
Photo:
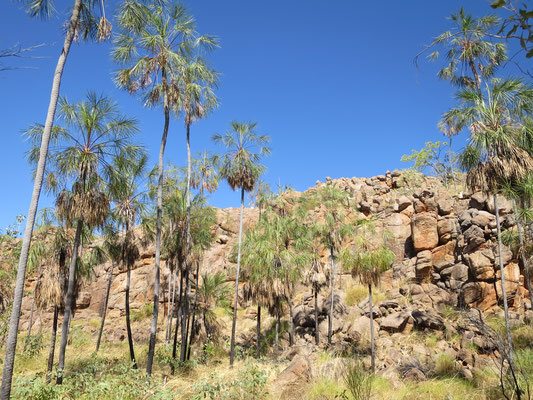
429	157
470	54
332	232
81	23
518	24
214	291
495	152
155	42
368	262
240	167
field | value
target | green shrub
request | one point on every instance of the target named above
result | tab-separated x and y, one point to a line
357	380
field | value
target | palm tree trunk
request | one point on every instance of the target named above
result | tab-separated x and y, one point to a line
30	322
276	346
236	301
175	342
194	308
11	343
291	323
504	293
317	338
372	342
258	338
169	319
524	261
50	365
330	321
153	327
174	278
106	301
69	300
128	324
185	317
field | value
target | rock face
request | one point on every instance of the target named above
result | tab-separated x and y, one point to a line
425	233
446	255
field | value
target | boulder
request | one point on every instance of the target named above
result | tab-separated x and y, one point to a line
299	370
445	204
443	256
478	200
474	237
359	329
424	267
446	229
403	203
424	231
460	272
426	319
504	205
395	322
481	264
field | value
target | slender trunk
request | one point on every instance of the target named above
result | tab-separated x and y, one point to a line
317	338
30	322
175	342
128	323
68	304
169	318
291	323
194	309
276	346
258	337
477	78
153	327
52	346
106	301
504	293
174	278
330	321
522	255
372	342
450	157
185	317
236	301
11	343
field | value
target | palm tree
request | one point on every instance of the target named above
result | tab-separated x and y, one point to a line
260	195
332	231
81	21
318	277
204	177
156	40
494	153
212	292
123	178
94	131
471	55
368	262
35	261
241	168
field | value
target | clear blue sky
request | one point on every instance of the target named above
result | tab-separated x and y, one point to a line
333	84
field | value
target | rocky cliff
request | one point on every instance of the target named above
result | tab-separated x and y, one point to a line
446	257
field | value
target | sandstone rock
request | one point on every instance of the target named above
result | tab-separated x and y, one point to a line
395	322
443	256
445	204
474	237
446	229
481	265
481	295
424	267
83	300
403	203
299	370
424	231
478	200
460	272
359	329
426	319
504	205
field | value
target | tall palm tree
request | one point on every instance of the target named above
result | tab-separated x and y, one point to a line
368	262
94	130
470	53
332	232
123	177
156	40
494	153
81	21
241	168
195	84
204	177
